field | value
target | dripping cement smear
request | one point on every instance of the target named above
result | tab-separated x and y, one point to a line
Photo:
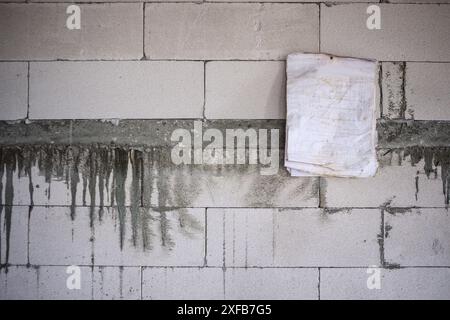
1	198
10	167
103	171
102	174
435	160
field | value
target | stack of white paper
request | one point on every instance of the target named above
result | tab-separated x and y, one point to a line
330	116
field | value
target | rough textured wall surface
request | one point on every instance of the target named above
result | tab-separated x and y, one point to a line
87	176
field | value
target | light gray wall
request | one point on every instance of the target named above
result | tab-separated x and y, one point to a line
214	231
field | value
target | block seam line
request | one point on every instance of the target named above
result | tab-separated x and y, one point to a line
141	280
28	91
204	91
205	263
319	192
318	284
380	89
144	56
320	13
30	209
404	104
381	239
92	282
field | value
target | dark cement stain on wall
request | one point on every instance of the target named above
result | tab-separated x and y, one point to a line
140	150
8	164
133	133
387	229
436	160
265	190
437	247
100	169
404	134
1	197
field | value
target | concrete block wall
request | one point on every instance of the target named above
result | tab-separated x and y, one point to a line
86	177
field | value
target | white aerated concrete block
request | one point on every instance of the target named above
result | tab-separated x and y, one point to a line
417	237
407	33
224	31
117	283
271	283
39	32
404	284
166	238
428	90
183	284
13	90
245	90
113	89
56	238
292	238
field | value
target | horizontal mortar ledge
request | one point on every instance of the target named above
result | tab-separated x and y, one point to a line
157	133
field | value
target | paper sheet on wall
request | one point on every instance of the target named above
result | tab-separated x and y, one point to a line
331	121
